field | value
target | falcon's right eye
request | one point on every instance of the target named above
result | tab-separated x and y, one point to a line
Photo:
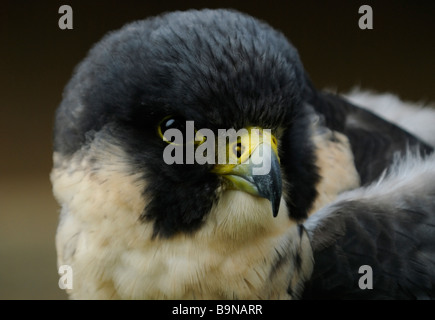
173	122
170	122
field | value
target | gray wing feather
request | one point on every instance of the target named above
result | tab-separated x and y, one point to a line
389	226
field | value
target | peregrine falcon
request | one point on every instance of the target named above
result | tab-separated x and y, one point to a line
133	226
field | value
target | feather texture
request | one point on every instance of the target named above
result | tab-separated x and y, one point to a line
389	226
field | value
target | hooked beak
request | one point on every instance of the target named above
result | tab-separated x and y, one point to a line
253	166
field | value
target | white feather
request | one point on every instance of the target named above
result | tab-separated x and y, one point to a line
409	175
417	118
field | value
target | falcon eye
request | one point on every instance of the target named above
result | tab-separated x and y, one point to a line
170	122
186	130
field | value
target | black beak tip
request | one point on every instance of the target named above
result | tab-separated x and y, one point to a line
275	207
269	187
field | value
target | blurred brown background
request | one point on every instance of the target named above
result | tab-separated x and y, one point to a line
37	59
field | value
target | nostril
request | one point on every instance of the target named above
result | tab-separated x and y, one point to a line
274	140
238	149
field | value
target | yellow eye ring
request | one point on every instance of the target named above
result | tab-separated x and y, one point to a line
159	128
170	120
